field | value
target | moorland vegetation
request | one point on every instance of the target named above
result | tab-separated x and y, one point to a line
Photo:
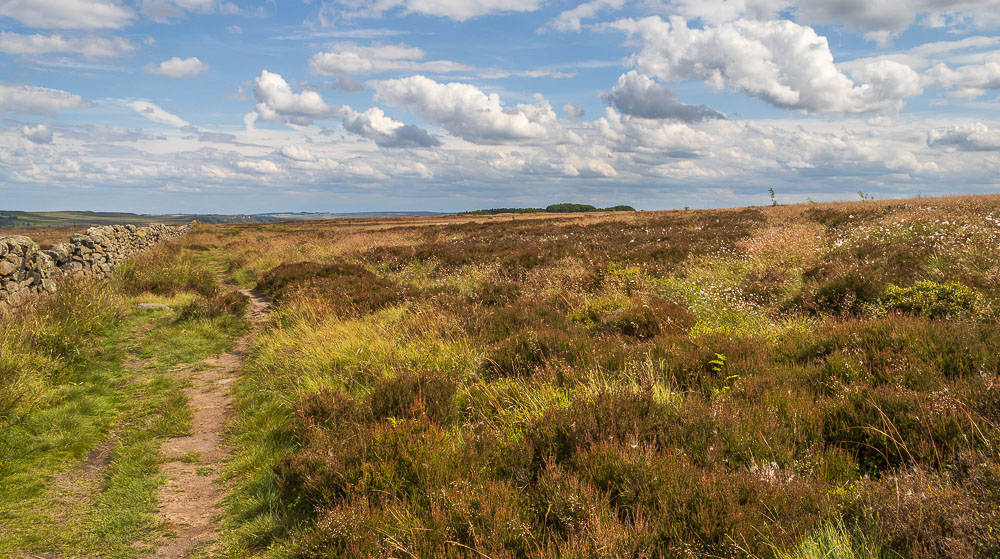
801	381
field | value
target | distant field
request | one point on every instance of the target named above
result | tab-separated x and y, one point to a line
48	228
21	220
44	236
82	220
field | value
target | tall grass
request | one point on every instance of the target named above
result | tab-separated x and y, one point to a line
833	540
42	340
86	399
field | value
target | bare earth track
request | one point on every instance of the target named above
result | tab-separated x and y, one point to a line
189	500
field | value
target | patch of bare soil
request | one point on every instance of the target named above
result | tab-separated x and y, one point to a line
189	501
82	482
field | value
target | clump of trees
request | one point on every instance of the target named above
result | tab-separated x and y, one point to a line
552	208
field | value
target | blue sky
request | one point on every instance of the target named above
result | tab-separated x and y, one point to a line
357	105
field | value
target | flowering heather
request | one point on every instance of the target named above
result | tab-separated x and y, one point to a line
787	381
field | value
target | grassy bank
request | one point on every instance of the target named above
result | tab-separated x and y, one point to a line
806	381
87	394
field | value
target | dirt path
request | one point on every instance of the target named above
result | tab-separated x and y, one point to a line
189	500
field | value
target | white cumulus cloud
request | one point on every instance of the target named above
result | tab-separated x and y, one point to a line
68	14
780	62
974	79
297	153
258	166
966	137
39	134
37	100
91	47
880	20
180	67
570	20
638	95
466	111
278	103
350	58
386	131
572	110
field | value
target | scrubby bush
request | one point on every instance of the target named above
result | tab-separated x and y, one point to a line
830	289
226	303
412	395
931	299
922	515
525	352
642	321
345	288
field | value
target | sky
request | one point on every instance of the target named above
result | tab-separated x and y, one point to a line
214	106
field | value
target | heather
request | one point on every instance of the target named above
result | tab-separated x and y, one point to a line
793	381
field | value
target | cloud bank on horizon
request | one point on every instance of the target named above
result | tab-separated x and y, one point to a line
352	105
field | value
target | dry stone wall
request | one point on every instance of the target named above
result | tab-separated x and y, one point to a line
25	270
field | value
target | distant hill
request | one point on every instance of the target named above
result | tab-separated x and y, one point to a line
17	219
10	219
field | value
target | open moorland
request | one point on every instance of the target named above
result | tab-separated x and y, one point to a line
816	380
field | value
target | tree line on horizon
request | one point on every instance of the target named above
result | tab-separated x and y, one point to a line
552	208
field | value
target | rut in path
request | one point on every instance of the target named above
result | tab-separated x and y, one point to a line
189	499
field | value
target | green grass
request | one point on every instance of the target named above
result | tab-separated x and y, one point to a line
185	342
83	219
833	540
96	400
79	457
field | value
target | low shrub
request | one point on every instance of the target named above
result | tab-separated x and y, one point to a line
888	428
523	353
618	416
226	303
343	288
279	281
767	286
931	299
830	289
922	515
412	395
565	505
651	320
634	319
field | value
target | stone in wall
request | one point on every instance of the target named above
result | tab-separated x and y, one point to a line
25	270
